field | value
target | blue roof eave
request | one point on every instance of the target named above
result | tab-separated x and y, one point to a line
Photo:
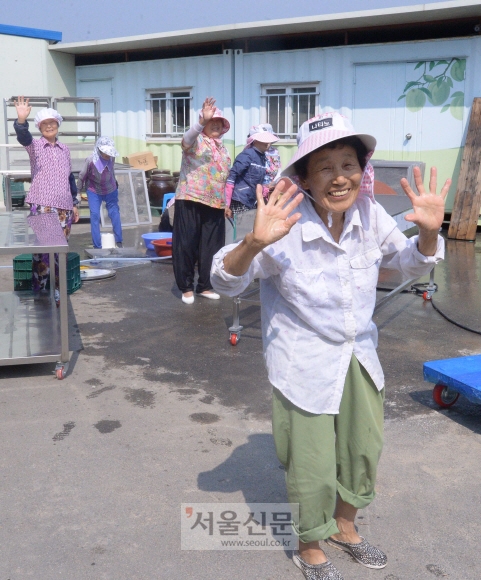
51	35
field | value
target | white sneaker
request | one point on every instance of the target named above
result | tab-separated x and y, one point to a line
210	295
188	299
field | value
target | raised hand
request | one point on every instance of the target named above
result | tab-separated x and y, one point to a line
271	224
272	219
208	109
428	206
23	109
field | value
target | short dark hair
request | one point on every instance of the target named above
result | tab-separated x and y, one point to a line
300	166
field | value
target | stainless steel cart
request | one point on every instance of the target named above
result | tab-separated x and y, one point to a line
34	329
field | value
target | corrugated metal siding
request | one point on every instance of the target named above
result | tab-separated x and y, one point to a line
205	75
235	79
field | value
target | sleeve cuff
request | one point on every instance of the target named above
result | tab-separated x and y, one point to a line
438	256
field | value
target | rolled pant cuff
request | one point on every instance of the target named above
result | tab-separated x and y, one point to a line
317	534
356	501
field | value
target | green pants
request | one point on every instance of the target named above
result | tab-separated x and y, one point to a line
326	455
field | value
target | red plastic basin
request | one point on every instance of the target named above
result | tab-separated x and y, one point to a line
163	248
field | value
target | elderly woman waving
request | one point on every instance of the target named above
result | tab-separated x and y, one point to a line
199	223
53	188
318	254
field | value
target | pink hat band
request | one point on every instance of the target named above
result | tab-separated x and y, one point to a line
320	131
262	138
262	133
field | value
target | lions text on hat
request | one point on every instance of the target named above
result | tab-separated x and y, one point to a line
320	124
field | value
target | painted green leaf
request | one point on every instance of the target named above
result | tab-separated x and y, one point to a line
411	84
457	108
439	93
449	81
432	64
458	70
445	108
429	78
442	62
419	65
401	97
426	92
415	100
458	94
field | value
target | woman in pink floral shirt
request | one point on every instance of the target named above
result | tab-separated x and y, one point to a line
199	222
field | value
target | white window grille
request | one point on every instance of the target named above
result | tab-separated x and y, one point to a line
286	107
168	113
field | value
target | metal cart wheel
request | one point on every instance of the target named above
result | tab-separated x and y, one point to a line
444	397
61	370
234	338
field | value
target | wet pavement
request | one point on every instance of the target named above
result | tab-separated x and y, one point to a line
158	409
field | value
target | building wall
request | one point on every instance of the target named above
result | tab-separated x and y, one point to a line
125	114
366	83
27	67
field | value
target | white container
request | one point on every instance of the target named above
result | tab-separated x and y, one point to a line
108	241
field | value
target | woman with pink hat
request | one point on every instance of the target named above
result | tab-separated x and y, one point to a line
199	222
248	171
317	247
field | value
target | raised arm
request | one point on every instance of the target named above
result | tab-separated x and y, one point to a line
190	136
428	209
24	137
271	224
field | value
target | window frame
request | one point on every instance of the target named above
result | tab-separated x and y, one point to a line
169	134
290	134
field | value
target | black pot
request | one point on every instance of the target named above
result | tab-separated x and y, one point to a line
158	186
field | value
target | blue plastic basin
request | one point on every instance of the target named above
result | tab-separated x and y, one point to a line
148	238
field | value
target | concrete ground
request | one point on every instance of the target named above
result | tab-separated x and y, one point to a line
158	409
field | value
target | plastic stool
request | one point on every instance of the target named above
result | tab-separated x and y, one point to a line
167	198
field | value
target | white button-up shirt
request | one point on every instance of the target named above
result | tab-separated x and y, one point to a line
318	297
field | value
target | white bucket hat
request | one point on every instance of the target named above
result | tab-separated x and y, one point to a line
263	133
45	114
321	130
107	146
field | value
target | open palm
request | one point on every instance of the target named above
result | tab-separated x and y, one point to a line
208	109
23	109
428	206
273	221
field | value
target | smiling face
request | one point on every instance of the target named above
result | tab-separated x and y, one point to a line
49	129
334	179
214	128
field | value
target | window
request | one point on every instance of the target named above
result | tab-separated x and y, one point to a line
169	113
287	107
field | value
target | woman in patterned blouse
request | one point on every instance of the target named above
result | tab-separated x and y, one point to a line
53	188
199	222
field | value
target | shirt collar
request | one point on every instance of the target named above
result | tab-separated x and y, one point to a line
57	143
313	227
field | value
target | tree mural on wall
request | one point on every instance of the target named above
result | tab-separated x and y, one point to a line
437	86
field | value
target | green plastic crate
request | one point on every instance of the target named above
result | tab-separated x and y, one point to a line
17	192
22	272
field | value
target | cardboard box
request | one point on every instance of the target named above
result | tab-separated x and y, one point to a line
141	160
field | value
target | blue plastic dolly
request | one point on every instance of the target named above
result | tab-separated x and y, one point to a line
454	376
